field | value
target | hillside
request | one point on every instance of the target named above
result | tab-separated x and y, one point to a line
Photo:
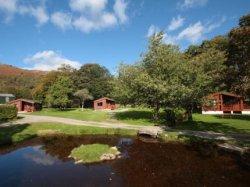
12	70
18	81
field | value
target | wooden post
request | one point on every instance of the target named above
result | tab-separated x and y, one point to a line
241	104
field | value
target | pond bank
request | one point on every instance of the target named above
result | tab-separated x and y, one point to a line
142	164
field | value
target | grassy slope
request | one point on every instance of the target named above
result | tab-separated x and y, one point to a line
225	124
132	116
19	133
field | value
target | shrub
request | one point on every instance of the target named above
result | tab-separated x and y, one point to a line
7	112
176	115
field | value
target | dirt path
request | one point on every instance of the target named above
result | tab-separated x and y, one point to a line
153	129
38	119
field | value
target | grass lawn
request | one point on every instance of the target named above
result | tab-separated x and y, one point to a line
225	124
18	133
133	116
142	116
92	153
86	115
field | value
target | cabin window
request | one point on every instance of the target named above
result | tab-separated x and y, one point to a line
99	104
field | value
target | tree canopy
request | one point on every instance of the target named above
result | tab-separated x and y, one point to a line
95	78
165	78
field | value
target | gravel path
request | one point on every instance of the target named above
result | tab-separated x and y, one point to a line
38	119
151	129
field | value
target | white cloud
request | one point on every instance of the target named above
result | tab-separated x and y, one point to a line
9	7
191	3
85	15
152	30
176	23
212	26
61	20
40	14
49	60
192	33
120	10
12	7
86	25
94	6
169	39
95	16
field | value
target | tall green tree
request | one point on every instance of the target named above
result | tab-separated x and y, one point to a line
60	92
239	58
42	87
83	95
95	78
165	78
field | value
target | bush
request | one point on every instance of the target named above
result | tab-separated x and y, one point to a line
176	115
7	112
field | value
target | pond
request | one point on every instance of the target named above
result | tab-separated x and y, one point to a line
45	162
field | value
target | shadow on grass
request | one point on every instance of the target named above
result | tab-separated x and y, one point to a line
139	115
5	121
58	109
209	126
229	116
7	133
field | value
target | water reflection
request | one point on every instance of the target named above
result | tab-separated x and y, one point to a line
40	157
45	162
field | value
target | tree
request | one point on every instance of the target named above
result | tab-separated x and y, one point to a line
83	95
165	78
42	87
59	93
239	58
95	78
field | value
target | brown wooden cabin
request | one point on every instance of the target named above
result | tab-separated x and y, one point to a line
25	105
104	103
223	102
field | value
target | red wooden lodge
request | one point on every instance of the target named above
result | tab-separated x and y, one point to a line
223	102
25	105
104	103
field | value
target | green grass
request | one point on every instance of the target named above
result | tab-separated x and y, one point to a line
224	124
86	115
91	153
18	133
133	116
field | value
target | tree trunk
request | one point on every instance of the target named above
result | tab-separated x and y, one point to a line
156	112
190	112
82	105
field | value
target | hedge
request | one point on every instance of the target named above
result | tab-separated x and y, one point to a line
7	112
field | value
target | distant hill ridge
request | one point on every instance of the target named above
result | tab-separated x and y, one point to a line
6	69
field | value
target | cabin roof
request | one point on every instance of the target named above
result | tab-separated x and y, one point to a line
25	100
104	98
6	95
228	94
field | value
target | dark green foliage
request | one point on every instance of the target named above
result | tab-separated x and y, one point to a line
7	112
59	93
175	116
95	78
238	77
244	21
165	78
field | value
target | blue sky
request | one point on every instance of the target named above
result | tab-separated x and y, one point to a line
43	34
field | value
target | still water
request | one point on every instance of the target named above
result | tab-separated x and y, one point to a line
45	162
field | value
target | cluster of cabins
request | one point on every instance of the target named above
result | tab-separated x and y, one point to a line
217	103
27	105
